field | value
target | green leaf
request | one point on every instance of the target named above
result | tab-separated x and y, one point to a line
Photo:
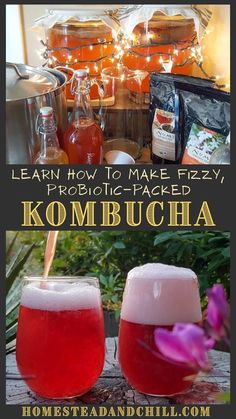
11	308
10	247
226	252
206	254
117	315
162	237
172	249
119	245
14	260
180	252
11	346
11	329
15	270
103	280
114	298
214	264
15	292
107	253
16	263
111	281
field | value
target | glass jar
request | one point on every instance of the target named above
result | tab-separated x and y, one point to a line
81	44
163	44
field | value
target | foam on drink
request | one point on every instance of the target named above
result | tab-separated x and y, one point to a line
158	294
59	296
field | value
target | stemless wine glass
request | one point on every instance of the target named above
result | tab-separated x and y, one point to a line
156	295
60	346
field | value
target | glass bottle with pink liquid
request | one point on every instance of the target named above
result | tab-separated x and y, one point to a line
83	138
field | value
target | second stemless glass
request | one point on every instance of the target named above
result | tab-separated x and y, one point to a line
156	295
60	345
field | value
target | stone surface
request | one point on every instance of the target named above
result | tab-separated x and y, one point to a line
112	388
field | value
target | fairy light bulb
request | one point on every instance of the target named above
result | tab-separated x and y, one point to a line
200	57
127	44
91	47
149	36
176	51
148	59
167	65
69	56
198	50
161	60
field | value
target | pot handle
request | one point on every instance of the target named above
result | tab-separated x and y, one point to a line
22	76
66	70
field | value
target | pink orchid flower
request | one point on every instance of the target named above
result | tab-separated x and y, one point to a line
217	312
186	343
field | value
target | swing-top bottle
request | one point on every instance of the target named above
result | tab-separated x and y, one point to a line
83	138
50	151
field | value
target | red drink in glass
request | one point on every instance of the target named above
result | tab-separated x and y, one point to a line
84	142
60	337
156	295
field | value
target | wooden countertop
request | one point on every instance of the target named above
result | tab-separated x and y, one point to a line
112	388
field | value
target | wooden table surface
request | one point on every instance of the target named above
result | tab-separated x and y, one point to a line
112	388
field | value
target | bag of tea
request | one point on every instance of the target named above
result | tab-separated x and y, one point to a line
182	108
206	123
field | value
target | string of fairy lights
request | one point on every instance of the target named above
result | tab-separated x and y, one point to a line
178	54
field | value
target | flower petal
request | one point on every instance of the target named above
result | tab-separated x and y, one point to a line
217	311
186	343
172	346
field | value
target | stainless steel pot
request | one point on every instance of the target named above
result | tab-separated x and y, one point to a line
28	89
